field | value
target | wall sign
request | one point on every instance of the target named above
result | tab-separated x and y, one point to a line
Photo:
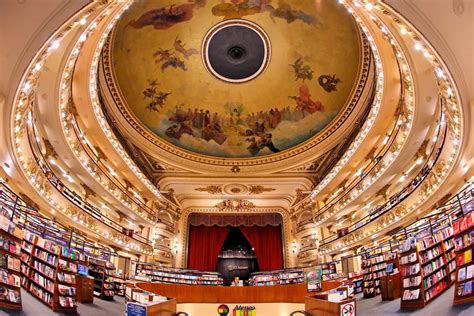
134	309
314	278
348	309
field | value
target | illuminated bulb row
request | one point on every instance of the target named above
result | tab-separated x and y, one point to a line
368	122
384	163
65	94
406	73
101	118
26	95
440	73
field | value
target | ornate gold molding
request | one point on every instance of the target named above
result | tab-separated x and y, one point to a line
237	205
184	225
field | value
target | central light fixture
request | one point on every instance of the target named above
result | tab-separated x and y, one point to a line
236	50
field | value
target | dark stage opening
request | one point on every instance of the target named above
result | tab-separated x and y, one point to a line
237	257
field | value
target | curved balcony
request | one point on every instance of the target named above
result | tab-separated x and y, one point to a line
75	199
399	197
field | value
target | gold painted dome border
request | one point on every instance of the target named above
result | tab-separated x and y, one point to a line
120	103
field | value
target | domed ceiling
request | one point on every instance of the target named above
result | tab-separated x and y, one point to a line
309	69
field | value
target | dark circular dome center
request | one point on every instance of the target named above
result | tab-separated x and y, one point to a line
236	51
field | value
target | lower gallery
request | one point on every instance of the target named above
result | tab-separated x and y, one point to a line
236	157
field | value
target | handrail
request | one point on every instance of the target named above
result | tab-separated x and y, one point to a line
73	197
30	219
377	157
398	197
101	166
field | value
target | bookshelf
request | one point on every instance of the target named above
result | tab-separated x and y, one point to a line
266	279
329	270
373	268
102	272
425	268
358	285
464	247
177	276
49	272
119	284
10	275
278	277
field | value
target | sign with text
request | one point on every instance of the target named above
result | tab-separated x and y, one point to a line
135	309
314	278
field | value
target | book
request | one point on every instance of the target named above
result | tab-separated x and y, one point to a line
468	288
461	274
459	259
467	256
470	271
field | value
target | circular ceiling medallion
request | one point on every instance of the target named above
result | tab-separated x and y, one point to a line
235	189
236	51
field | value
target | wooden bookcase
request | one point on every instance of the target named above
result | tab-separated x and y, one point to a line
10	276
102	272
49	273
183	276
373	269
464	247
119	285
65	284
425	272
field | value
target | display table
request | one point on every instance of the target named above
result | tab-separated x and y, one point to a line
391	286
291	293
319	305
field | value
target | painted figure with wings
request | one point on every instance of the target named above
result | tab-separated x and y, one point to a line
301	70
168	59
179	47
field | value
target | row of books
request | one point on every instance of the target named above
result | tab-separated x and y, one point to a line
464	257
10	262
466	273
10	245
411	282
44	282
411	295
431	266
464	289
431	254
10	295
67	266
412	257
411	270
41	293
9	278
10	227
435	290
44	268
434	278
45	256
464	223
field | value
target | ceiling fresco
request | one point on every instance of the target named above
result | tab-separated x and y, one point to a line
309	79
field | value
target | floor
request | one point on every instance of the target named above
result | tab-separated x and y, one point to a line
442	306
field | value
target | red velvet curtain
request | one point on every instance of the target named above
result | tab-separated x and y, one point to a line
266	241
205	244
